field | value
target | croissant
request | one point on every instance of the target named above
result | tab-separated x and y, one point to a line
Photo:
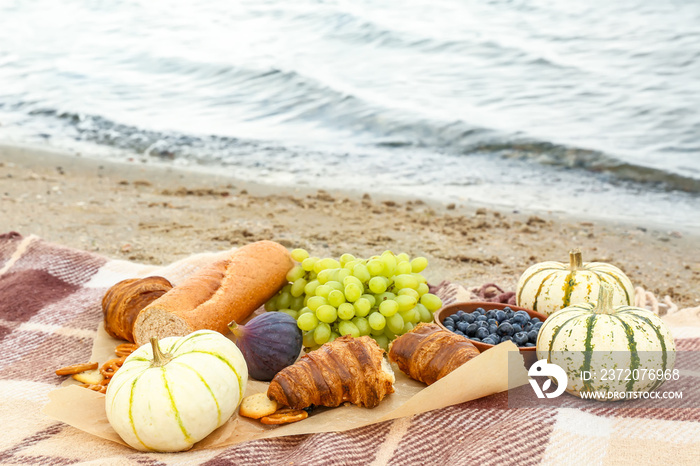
347	369
428	353
123	302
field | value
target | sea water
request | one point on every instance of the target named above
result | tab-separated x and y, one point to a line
589	108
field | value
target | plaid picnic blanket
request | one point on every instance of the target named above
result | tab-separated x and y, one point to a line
49	313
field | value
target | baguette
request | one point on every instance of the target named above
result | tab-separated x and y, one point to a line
228	290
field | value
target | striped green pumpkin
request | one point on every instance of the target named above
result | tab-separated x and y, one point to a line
550	286
598	338
176	391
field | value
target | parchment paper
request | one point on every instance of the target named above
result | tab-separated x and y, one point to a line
482	376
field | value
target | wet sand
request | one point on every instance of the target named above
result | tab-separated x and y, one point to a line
157	214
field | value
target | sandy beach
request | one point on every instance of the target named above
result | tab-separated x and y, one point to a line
157	214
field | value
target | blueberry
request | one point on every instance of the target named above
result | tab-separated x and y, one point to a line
468	318
520	338
480	310
517	328
492	321
450	328
505	329
519	319
474	339
482	323
482	333
471	329
529	345
491	340
448	321
527	327
507	308
537	326
483	318
493	328
509	312
500	316
491	314
506	338
457	332
534	320
459	313
532	336
523	313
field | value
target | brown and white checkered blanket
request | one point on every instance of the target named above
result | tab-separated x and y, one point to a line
50	310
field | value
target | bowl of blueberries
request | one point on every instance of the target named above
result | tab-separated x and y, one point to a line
488	324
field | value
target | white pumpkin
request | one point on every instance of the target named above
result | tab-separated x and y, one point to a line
606	348
174	392
550	286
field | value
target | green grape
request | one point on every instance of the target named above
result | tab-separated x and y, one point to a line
353	292
422	288
341	275
403	267
345	258
336	285
377	285
381	297
407	327
405	302
271	304
409	292
307	321
346	311
326	263
419	264
376	321
290	312
389	264
395	323
424	313
419	277
345	327
352	279
403	257
362	325
298	287
299	255
389	307
431	302
412	315
382	341
324	276
295	273
351	265
361	273
322	333
334	335
323	290
336	298
310	287
389	334
297	303
362	307
326	313
374	332
304	310
283	300
308	263
372	300
315	302
308	339
405	281
375	267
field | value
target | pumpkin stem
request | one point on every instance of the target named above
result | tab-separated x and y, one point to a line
575	259
605	300
159	358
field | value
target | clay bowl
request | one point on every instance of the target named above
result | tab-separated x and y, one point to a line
471	306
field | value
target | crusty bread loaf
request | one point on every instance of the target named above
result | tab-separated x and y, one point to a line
228	290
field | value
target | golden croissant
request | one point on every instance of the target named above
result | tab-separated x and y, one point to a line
347	369
428	353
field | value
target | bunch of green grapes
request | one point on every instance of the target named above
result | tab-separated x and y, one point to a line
384	296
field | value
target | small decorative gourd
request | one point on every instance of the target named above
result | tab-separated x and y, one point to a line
608	348
174	392
550	286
